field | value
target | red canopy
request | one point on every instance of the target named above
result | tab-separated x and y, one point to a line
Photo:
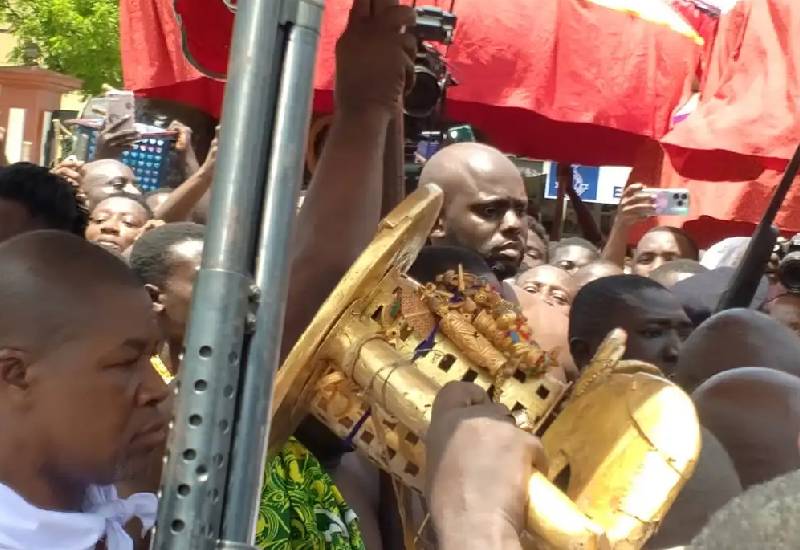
731	152
574	80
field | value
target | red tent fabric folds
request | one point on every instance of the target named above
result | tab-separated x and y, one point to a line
574	80
731	152
748	118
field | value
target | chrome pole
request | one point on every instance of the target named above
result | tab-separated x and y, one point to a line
196	464
286	165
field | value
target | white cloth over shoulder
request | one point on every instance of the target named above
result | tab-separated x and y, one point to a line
726	253
26	527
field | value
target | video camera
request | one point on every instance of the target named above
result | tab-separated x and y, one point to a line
789	266
434	25
432	77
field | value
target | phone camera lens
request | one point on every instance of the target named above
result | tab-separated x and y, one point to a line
676	196
685	196
680	203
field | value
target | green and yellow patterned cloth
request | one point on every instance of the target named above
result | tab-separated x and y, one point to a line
301	508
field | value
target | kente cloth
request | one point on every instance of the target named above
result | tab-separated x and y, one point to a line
301	508
23	526
585	81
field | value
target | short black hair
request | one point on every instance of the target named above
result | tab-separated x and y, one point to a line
138	199
694	250
47	196
151	253
594	305
432	261
682	265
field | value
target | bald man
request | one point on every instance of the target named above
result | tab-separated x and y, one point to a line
595	270
732	339
102	178
485	206
755	414
79	401
712	485
555	286
765	517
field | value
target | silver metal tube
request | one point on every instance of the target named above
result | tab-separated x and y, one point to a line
272	274
196	464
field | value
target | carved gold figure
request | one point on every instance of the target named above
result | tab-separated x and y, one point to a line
621	441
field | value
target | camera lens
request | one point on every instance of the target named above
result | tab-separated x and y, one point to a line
789	271
680	203
685	196
676	196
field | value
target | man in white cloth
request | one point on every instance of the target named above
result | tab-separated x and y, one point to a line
78	397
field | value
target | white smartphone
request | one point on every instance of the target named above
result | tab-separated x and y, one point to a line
670	202
120	104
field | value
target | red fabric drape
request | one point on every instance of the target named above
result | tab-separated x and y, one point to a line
569	80
747	120
731	152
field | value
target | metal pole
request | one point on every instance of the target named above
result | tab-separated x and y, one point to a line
285	174
196	463
564	179
745	281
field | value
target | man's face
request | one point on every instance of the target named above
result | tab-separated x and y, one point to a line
786	310
657	248
488	215
15	219
535	251
572	257
657	327
95	398
116	223
105	178
553	285
176	296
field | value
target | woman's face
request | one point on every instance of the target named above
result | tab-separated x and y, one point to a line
116	223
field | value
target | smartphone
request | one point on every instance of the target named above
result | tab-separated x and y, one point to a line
120	104
670	202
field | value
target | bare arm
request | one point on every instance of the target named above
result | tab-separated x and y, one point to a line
185	197
478	467
633	207
341	211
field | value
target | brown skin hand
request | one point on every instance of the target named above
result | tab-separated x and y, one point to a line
479	464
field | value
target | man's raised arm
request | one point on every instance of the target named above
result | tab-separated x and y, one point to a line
342	208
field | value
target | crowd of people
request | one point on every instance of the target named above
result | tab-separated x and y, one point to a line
96	282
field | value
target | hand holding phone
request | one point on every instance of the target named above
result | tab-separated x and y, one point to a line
120	109
669	202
